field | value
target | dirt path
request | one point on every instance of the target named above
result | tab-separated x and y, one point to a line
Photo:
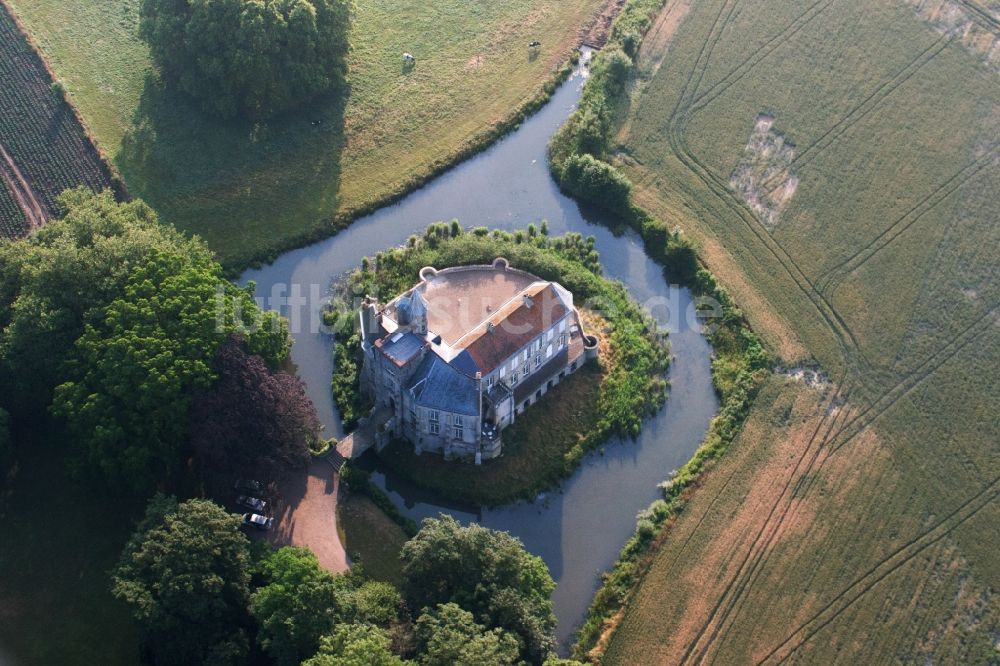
308	516
597	33
19	188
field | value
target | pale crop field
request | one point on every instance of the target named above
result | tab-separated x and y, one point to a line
838	161
249	190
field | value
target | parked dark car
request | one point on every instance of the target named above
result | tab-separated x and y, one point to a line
249	486
250	502
256	520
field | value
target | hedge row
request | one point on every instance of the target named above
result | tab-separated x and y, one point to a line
741	363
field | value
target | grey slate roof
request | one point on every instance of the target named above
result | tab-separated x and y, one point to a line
401	347
437	385
465	364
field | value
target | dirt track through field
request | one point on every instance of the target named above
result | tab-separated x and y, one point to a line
19	188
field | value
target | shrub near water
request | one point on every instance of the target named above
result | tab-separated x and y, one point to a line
740	362
633	383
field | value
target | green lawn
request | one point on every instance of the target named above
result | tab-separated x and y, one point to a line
59	542
251	190
371	537
875	538
534	448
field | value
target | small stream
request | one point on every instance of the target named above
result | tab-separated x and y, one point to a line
579	528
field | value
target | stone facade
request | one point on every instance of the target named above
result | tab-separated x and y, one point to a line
457	357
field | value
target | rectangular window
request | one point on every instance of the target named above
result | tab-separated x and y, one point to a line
548	351
435	427
435	416
552	332
527	369
538	360
562	340
562	326
489	382
459	428
513	379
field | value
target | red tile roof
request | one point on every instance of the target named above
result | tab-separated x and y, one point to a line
514	326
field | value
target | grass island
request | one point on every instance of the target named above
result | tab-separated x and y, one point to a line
612	361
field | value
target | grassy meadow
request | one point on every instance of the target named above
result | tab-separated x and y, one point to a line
60	540
370	537
856	521
251	190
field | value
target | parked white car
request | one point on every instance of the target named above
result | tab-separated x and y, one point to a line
258	521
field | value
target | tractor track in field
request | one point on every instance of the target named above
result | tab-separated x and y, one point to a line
765	536
830	444
881	570
834	437
981	15
836	274
808	153
765	51
27	200
675	131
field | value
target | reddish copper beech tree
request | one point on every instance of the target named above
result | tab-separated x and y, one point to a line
253	421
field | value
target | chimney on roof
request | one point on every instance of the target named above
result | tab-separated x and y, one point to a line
479	393
528	301
490	327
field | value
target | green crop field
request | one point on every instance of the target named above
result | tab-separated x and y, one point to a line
251	189
43	149
838	162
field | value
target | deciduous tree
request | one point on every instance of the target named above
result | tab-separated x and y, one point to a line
59	279
136	367
355	645
252	421
449	635
485	572
248	56
185	574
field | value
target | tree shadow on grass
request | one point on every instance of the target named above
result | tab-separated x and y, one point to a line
247	187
